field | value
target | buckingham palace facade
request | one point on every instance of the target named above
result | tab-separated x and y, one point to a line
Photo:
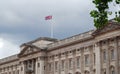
92	52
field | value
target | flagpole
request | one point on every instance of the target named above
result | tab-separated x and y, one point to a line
51	23
51	29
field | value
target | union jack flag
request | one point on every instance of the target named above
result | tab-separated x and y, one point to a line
48	17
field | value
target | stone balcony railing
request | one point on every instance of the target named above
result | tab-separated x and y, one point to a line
7	59
71	39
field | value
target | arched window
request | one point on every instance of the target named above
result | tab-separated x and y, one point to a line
112	70
94	71
104	71
77	73
87	72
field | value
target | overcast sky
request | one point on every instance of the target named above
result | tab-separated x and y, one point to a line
23	20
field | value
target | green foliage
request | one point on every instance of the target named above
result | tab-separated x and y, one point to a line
101	14
117	1
117	18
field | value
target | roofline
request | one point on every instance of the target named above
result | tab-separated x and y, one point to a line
40	38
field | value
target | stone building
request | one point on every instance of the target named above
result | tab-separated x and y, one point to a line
92	52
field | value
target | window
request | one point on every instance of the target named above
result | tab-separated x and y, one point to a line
77	73
38	64
44	67
94	58
78	62
112	54
9	72
17	71
104	56
49	66
63	64
21	68
87	72
112	70
86	59
56	65
13	72
70	63
0	70
30	63
104	71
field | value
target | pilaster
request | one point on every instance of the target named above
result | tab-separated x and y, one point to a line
59	62
74	61
36	66
66	63
91	59
53	64
42	65
107	57
116	56
22	68
82	61
98	58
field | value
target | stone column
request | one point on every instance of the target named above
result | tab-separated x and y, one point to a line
59	63
98	58
82	61
74	61
22	68
36	66
91	59
33	66
66	63
53	65
42	64
116	56
107	58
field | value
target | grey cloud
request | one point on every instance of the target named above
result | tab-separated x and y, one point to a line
7	48
27	12
23	20
23	16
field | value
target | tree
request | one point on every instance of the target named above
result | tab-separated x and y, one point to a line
101	14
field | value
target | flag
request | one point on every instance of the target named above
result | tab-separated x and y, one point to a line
48	17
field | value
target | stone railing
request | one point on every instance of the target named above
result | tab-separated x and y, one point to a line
10	58
71	39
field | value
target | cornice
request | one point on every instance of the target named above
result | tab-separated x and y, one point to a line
71	40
